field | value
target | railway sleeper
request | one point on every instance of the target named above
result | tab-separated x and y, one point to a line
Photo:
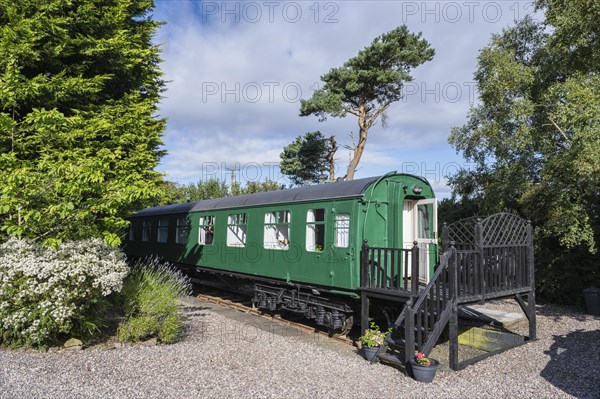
334	315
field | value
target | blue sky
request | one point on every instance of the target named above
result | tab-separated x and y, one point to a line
238	69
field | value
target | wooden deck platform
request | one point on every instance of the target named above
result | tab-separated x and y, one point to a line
496	263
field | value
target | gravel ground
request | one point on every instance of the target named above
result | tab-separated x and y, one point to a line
230	354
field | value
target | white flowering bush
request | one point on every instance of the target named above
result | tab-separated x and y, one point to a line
47	293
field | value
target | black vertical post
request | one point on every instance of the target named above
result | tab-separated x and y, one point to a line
453	325
531	277
364	312
414	273
409	332
364	283
480	269
364	265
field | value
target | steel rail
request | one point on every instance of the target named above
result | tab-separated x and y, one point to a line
256	312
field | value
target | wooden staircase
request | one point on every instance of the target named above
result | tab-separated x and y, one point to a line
421	323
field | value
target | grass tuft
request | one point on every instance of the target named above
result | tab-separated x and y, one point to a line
152	304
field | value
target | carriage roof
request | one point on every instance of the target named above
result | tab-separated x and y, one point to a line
336	190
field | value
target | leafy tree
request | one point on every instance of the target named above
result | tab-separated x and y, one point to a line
79	86
456	208
535	138
213	188
253	187
367	84
308	158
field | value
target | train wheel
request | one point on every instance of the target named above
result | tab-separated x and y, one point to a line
348	323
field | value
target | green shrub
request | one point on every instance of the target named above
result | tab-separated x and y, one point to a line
562	274
152	297
50	294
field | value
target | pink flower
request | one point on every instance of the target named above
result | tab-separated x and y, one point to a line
421	359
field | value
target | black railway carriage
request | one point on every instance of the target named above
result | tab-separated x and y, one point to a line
298	249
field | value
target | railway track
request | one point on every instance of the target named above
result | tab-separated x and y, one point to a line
217	298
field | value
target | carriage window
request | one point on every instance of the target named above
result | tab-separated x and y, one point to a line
315	230
146	230
424	230
131	236
163	230
182	231
342	230
207	230
277	230
236	230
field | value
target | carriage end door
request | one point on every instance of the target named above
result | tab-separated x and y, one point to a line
420	225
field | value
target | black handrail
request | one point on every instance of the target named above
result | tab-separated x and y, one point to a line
427	317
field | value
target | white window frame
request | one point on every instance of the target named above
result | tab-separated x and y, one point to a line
342	230
277	230
237	225
206	229
312	225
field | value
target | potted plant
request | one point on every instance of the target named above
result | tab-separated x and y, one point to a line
423	368
372	339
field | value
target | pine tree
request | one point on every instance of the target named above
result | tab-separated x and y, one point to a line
367	84
309	158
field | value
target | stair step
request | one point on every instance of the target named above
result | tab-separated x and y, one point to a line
395	360
395	341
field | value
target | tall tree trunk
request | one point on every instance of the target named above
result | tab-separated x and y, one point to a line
331	158
362	140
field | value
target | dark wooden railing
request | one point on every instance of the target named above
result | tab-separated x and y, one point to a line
390	269
493	259
493	270
487	270
426	318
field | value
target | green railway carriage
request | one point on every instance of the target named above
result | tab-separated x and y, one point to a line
297	249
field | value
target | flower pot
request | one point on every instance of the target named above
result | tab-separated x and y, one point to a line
424	373
370	352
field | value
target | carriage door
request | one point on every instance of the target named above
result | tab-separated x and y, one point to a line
420	225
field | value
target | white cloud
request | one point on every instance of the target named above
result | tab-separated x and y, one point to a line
234	95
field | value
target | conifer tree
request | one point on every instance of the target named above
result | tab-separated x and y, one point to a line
79	136
309	158
367	84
